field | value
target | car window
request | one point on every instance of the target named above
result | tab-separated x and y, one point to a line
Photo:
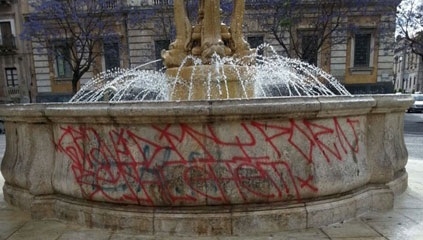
418	98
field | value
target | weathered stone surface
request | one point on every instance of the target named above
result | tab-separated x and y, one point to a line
132	165
233	162
267	221
197	224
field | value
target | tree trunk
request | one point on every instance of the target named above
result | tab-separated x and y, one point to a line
75	84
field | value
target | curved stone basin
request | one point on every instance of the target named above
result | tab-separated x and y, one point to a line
227	167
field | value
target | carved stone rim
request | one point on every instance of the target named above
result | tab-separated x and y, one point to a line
212	110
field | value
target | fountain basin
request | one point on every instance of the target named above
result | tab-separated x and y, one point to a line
232	167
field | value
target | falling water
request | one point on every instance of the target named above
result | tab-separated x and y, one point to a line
272	75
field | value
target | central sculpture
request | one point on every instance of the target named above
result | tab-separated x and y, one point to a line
208	38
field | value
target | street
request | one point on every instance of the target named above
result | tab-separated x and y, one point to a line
413	135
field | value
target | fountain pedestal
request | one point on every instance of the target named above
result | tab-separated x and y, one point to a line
210	82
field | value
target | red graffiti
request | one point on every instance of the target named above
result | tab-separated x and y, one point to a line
179	164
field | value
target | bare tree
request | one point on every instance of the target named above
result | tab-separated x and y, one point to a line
410	25
73	30
304	28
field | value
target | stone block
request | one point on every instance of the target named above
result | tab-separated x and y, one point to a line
399	184
17	197
201	224
382	199
363	202
267	221
326	212
43	207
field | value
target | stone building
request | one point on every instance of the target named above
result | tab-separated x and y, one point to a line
362	57
15	59
362	61
408	69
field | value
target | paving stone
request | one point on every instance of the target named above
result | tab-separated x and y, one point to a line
123	235
413	214
264	237
42	229
415	232
384	217
306	234
396	228
7	228
85	234
359	238
131	236
187	238
351	229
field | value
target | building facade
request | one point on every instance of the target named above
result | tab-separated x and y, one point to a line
15	57
362	61
408	69
361	57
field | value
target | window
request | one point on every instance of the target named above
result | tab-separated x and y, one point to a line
162	2
362	49
159	46
111	55
413	60
7	39
12	77
110	4
309	49
105	4
255	42
62	59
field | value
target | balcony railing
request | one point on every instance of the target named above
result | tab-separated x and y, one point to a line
163	2
111	4
13	92
7	44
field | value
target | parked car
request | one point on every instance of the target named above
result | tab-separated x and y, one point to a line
418	104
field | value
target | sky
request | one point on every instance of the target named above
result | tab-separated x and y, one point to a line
406	5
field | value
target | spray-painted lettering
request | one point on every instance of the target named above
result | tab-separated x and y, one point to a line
178	164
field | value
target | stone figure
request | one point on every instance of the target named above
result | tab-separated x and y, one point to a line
211	39
178	49
209	36
240	47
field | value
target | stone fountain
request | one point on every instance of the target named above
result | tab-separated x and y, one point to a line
238	166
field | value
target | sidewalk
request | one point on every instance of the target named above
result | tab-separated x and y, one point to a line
405	221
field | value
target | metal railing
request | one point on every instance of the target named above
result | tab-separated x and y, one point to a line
7	44
163	2
13	92
111	4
